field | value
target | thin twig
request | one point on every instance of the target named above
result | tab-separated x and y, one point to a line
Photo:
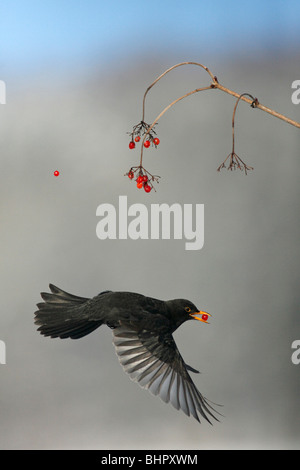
216	84
254	104
258	105
169	70
165	110
234	159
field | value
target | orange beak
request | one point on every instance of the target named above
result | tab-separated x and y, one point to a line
201	316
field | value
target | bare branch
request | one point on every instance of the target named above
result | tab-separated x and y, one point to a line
165	110
259	106
167	71
147	131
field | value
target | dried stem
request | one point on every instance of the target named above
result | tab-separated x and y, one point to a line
169	70
235	161
254	104
165	110
258	105
216	84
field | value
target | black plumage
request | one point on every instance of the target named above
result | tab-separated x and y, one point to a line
142	330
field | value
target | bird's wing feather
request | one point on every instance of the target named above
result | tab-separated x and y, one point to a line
65	315
155	363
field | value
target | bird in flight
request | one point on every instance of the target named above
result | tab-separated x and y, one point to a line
142	330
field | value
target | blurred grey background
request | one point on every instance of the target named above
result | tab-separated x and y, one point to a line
75	78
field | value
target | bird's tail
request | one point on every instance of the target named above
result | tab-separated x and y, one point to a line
63	315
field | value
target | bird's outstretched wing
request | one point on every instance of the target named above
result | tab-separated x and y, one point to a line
155	363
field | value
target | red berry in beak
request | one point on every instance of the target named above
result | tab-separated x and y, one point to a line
204	317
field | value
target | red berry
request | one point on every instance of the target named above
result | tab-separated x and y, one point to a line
145	178
131	145
147	188
139	185
139	179
156	141
56	173
137	138
130	174
147	143
204	317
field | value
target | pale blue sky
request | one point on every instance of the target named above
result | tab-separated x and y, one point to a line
34	33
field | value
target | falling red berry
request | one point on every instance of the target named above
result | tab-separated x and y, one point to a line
156	141
145	178
147	188
130	174
204	317
139	185
137	138
147	143
56	173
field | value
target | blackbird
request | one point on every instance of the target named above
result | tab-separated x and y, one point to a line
142	330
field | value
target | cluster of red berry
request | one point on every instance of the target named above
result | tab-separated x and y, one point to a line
147	142
142	181
138	131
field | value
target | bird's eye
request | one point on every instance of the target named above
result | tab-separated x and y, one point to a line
187	309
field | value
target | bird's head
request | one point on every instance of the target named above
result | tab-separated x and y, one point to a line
182	310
